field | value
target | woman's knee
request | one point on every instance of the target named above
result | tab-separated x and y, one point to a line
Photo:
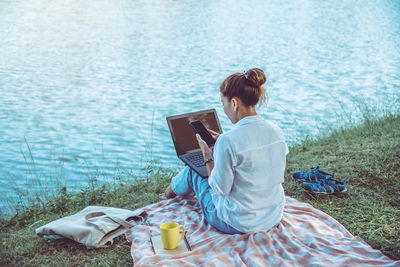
181	184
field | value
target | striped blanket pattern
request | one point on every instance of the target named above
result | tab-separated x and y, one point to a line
305	237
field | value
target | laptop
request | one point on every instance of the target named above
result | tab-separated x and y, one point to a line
184	138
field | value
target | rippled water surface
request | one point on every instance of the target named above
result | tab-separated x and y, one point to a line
85	86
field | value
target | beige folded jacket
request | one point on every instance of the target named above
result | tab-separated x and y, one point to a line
94	226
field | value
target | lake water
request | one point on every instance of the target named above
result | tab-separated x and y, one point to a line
85	86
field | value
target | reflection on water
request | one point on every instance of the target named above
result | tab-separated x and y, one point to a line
88	84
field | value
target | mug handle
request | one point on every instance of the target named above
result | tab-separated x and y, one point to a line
183	233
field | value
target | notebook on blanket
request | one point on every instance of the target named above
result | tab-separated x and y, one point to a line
159	249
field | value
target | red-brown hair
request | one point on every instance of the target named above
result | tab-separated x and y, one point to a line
247	86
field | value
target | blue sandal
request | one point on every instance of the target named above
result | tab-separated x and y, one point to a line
314	175
326	186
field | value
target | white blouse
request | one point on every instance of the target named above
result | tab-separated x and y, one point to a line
246	181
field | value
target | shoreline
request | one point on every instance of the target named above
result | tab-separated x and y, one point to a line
366	154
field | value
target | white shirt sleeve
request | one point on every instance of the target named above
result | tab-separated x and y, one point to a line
222	175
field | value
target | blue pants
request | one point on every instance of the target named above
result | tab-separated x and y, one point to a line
188	181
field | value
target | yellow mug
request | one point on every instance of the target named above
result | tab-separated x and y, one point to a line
170	234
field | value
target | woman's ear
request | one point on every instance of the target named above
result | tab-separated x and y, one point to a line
235	103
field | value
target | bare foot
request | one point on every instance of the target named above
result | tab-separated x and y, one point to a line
167	194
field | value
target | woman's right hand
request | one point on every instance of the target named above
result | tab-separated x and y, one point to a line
214	134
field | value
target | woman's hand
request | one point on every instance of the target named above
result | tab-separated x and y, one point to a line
214	134
207	153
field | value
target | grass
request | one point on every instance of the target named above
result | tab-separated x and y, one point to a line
21	247
366	154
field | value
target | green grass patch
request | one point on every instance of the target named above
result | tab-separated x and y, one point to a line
21	247
366	154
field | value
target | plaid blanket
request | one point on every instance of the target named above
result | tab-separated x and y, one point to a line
305	237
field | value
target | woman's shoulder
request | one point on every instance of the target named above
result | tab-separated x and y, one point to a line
269	131
272	126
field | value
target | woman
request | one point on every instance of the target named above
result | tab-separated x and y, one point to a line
244	192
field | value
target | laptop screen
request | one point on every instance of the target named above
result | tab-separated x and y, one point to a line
182	133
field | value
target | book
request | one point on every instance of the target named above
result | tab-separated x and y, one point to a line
159	249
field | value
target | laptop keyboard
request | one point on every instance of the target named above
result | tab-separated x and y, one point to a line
196	159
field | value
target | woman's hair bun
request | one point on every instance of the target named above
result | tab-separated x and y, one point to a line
256	76
247	86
